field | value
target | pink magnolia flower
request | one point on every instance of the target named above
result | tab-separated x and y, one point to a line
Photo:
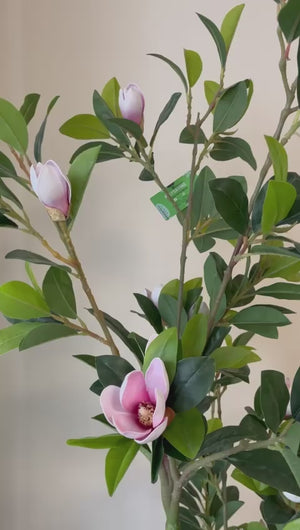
132	103
137	409
52	188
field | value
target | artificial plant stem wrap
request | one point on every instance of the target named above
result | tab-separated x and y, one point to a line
66	238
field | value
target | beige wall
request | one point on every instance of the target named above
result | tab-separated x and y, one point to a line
70	47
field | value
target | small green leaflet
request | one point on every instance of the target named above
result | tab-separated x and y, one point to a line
117	462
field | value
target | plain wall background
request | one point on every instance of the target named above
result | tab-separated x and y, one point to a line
68	47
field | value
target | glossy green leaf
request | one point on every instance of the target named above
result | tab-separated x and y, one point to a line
187	520
84	127
13	129
165	113
45	333
107	151
232	507
289	20
6	167
231	202
293	461
281	290
274	398
203	204
8	194
211	89
174	67
150	310
214	424
191	134
110	94
258	487
279	200
231	107
131	127
112	369
20	300
100	442
186	432
279	158
165	347
117	462
193	65
292	525
233	357
259	318
79	174
221	439
40	135
253	429
229	24
90	360
217	37
106	116
194	336
168	308
11	337
4	221
32	257
213	282
227	148
295	397
193	380
126	337
29	106
157	458
58	293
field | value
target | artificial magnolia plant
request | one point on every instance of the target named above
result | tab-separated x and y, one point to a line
168	402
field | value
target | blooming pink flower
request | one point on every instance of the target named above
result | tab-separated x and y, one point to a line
137	409
52	188
132	103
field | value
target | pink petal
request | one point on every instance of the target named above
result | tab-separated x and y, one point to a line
156	377
110	402
160	408
154	434
128	425
133	391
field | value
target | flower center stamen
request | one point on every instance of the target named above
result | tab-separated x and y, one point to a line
145	413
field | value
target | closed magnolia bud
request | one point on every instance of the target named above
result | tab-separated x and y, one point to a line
291	497
52	188
132	103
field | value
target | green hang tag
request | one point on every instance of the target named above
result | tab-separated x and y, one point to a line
179	191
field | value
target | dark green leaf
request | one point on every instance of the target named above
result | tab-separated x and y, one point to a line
258	487
231	107
187	520
213	283
168	308
232	508
145	175
275	511
150	310
105	115
88	359
97	389
231	202
221	439
227	148
4	221
131	127
216	339
112	370
289	20
216	35
253	429
203	205
274	398
58	292
165	113
31	257
186	432
6	167
13	129
40	135
5	192
107	151
157	458
259	319
174	66
84	127
45	333
281	290
29	106
295	397
117	462
193	380
101	442
190	135
124	335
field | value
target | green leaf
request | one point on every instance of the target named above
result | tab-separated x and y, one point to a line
279	200
112	370
281	290
231	202
131	127
231	107
29	106
233	357
110	94
213	284
79	174
168	308
295	397
11	337
186	432
84	127
268	466
87	359
58	293
150	310
31	257
45	333
289	20
293	462
214	424
227	148
40	135
221	439
230	23
217	37
203	204
106	116
165	347
274	398
258	487
165	113
279	158
13	129
259	318
191	134
193	380
117	462
100	442
107	151
5	192
127	338
193	64
232	508
20	300
157	458
211	89
194	336
253	429
292	525
174	67
4	221
6	167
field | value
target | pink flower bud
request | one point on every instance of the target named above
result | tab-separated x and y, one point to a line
132	103
52	188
